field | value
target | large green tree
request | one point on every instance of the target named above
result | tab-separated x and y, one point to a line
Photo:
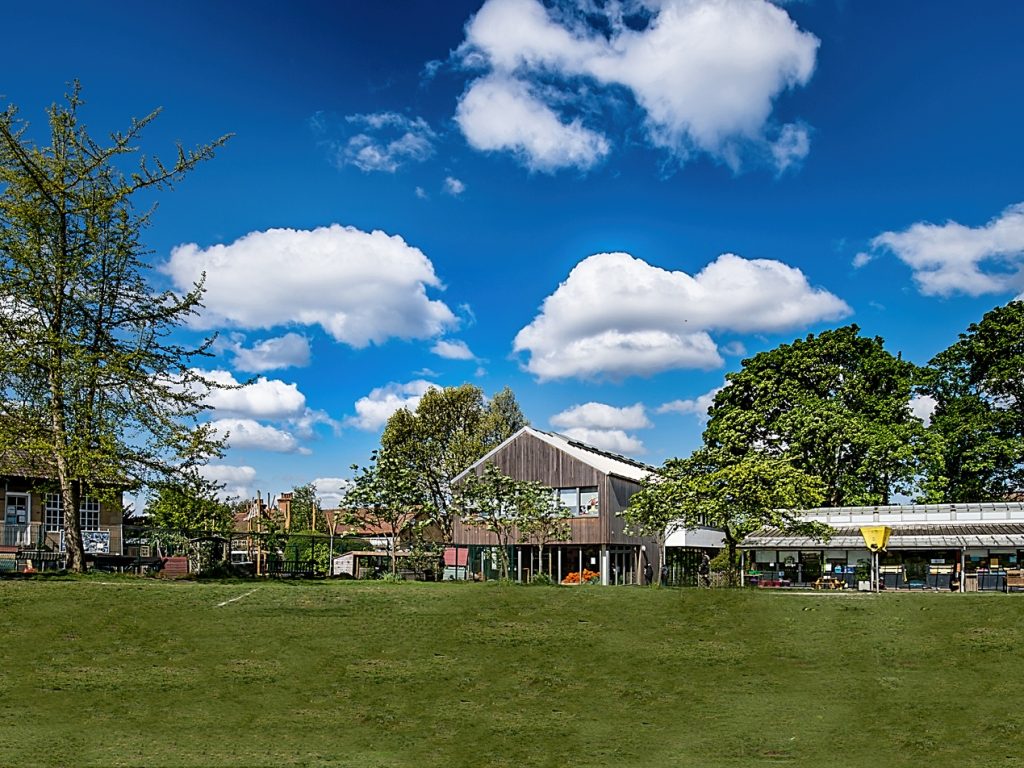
450	429
835	405
93	384
384	495
978	388
736	496
190	503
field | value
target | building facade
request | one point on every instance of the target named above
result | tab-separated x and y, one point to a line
593	484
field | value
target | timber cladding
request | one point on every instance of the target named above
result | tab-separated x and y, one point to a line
527	457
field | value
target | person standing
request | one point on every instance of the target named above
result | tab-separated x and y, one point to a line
704	571
954	578
664	574
648	574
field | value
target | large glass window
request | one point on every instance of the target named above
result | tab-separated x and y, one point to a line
581	502
53	512
89	514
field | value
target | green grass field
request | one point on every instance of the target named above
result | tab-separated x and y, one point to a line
107	672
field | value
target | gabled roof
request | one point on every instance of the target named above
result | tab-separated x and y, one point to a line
603	461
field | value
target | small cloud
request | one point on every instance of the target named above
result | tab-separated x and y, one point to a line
237	480
385	142
249	433
615	440
602	416
453	350
734	349
426	373
453	186
421	193
480	372
697	406
862	259
288	351
331	490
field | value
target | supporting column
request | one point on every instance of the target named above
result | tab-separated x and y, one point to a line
604	565
963	566
519	564
559	576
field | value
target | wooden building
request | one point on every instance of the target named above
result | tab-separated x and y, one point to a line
593	484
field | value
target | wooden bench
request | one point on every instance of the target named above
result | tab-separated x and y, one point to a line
1014	580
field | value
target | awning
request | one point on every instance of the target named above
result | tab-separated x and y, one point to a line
918	536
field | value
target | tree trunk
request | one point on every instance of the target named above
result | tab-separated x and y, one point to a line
731	544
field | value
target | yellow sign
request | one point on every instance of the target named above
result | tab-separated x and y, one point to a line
876	536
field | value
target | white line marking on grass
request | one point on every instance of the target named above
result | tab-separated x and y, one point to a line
233	599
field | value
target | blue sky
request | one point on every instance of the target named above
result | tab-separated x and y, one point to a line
604	205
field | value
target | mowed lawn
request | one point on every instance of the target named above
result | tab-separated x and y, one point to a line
107	672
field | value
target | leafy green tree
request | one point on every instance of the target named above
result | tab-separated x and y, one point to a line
541	518
92	384
450	429
737	497
305	513
837	405
384	495
978	388
190	503
510	508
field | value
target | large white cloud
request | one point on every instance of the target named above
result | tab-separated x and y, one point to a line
705	73
261	399
951	258
360	287
249	433
617	316
373	411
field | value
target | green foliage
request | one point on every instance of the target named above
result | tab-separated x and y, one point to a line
450	429
189	503
306	514
541	579
836	405
736	496
978	388
93	386
384	495
507	507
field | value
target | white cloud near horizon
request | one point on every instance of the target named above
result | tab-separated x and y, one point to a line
386	141
951	258
617	316
604	426
614	440
697	406
373	410
331	490
237	480
288	351
360	287
704	73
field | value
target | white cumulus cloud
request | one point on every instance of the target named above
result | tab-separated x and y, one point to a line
499	113
261	399
705	74
617	316
373	411
453	349
238	481
360	287
288	351
698	406
602	416
614	440
951	258
331	490
249	433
